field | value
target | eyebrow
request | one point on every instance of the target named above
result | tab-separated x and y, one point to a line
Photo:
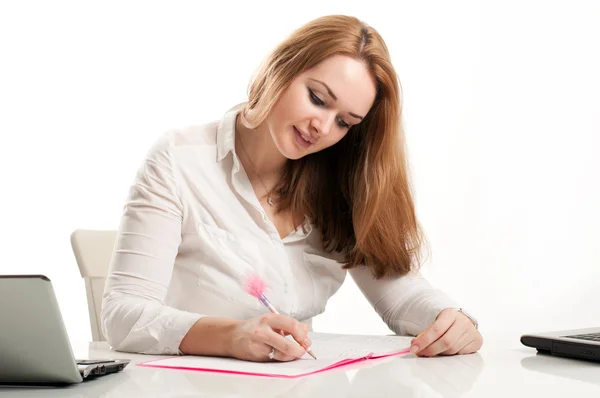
335	98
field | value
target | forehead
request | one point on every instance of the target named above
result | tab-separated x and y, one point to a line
350	81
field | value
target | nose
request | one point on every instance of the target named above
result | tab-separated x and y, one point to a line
323	123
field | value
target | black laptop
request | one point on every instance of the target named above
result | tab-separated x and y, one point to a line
576	343
34	345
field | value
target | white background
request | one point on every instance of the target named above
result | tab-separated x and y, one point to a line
501	113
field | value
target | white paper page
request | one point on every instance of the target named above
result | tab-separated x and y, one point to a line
328	348
361	345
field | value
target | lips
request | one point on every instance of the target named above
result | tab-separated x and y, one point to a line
305	136
301	140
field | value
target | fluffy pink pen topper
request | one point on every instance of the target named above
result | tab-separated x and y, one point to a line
256	286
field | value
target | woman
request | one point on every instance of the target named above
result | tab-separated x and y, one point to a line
303	183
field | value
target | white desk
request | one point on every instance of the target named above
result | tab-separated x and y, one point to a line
503	368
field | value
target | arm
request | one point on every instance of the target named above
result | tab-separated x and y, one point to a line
408	304
133	315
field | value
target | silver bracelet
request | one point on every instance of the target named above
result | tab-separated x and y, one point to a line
471	317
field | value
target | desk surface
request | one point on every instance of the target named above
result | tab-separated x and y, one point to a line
502	368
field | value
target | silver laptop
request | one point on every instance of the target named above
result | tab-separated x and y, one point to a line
34	345
576	343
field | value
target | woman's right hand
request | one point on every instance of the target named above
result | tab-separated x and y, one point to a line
253	339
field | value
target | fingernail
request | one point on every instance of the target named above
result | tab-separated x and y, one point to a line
414	348
306	343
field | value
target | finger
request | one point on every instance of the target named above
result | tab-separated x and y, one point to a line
445	341
470	334
280	356
304	327
423	331
433	332
287	347
467	327
473	346
307	341
265	351
287	325
459	345
259	347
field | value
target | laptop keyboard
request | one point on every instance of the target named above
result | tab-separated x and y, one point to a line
590	336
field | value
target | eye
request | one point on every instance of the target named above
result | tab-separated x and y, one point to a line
342	123
315	100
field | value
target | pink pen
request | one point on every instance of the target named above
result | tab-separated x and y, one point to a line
256	287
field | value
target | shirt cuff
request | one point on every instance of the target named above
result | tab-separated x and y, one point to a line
177	329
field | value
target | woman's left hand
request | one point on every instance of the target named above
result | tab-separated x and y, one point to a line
451	333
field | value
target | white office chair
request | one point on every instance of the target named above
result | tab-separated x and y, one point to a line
93	252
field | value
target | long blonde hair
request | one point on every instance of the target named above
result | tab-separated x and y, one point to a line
357	191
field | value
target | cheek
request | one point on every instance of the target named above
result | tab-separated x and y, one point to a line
283	119
281	133
286	115
334	138
278	119
296	107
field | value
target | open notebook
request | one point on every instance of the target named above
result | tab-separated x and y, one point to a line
332	351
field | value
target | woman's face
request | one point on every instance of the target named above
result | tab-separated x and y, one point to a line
320	105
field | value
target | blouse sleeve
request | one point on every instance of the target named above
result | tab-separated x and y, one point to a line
134	317
407	304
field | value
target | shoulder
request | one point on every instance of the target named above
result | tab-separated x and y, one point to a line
175	144
203	134
196	135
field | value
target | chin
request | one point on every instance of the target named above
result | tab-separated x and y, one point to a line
290	151
293	156
297	153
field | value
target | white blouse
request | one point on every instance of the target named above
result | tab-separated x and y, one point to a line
193	228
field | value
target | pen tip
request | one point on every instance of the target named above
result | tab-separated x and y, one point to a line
311	354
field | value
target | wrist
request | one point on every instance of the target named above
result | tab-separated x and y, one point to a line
210	336
471	317
228	337
462	311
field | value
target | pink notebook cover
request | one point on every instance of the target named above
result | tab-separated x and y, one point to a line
156	364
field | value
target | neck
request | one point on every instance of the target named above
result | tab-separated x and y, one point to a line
259	152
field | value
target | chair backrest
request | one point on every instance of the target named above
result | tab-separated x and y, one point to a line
93	251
